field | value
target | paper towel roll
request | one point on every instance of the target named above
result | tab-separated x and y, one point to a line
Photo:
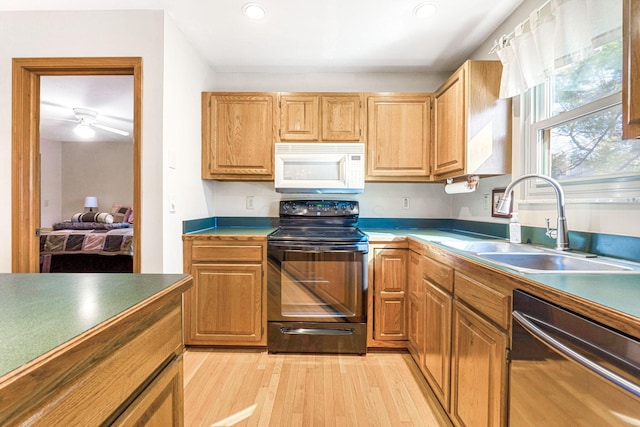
459	188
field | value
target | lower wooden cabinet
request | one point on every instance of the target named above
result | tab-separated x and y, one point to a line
227	304
388	300
390	294
478	370
462	323
415	336
436	359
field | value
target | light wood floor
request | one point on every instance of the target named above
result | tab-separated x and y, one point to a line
254	388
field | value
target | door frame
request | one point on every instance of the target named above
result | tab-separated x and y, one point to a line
25	136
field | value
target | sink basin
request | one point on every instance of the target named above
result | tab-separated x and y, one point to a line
527	258
551	262
490	246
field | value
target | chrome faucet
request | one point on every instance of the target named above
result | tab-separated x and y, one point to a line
561	233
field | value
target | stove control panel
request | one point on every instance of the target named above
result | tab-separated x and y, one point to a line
319	208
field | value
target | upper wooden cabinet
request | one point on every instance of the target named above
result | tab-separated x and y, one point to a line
299	117
320	117
472	125
398	136
631	70
238	131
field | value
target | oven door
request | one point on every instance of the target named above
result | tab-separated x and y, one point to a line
324	283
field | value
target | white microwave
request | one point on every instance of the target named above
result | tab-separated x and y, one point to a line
319	167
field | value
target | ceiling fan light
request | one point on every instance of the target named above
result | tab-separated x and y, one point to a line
253	11
425	10
84	131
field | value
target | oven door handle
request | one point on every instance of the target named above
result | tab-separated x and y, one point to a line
310	247
317	331
528	323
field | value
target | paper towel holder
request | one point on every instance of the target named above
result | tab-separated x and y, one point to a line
467	186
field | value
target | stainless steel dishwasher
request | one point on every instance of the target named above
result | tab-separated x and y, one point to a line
567	370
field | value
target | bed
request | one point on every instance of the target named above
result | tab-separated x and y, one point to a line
83	246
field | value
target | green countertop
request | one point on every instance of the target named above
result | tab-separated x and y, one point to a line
620	292
39	312
233	231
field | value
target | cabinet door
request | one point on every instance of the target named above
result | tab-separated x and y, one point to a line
226	304
437	344
161	404
342	117
237	136
449	113
398	137
478	371
299	117
631	70
415	322
390	306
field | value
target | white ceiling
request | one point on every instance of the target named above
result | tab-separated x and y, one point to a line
319	35
312	35
109	96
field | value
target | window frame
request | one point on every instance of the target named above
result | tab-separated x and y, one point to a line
604	189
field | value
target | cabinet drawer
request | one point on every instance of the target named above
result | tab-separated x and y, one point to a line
437	273
490	302
218	253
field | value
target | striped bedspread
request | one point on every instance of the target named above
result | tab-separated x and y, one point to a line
102	242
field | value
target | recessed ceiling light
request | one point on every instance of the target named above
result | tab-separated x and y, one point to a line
425	10
253	11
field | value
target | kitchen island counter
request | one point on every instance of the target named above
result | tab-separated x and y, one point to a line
61	333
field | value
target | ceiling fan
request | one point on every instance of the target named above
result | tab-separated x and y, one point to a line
87	120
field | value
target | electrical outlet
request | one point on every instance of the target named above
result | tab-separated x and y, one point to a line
405	203
249	203
486	205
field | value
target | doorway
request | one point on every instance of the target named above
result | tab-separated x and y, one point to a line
26	186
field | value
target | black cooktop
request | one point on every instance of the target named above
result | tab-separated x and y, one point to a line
319	220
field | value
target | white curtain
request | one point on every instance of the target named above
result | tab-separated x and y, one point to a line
559	33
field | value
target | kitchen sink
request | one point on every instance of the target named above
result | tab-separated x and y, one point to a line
490	246
527	258
547	262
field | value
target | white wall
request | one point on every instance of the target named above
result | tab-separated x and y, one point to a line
93	168
379	200
606	218
329	82
186	76
78	34
51	179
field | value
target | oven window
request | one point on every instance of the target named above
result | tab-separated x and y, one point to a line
326	285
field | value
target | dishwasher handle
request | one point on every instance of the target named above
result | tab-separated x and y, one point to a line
530	326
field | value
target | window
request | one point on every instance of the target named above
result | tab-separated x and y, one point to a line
575	131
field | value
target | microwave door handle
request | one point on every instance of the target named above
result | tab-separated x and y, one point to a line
567	352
